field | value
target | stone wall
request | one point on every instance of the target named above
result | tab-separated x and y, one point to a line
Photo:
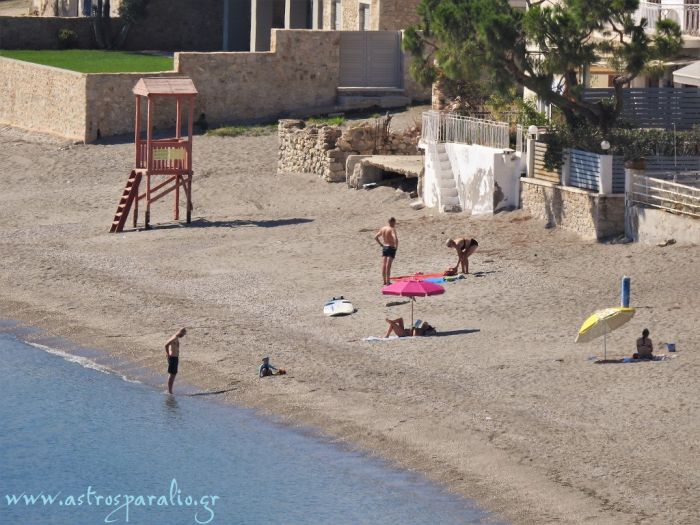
591	215
300	74
298	77
398	14
111	105
180	25
42	98
323	150
385	15
170	26
34	32
310	149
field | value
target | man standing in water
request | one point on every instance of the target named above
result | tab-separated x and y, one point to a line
172	351
389	243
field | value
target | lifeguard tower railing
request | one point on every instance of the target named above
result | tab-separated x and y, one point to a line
167	156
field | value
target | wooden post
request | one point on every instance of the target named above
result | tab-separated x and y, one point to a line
190	137
149	165
178	119
137	131
136	200
178	179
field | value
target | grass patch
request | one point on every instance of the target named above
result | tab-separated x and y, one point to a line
328	121
255	130
94	61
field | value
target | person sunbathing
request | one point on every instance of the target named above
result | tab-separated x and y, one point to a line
419	328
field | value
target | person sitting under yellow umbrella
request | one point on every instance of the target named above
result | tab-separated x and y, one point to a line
602	322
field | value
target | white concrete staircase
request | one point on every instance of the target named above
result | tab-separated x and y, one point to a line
448	196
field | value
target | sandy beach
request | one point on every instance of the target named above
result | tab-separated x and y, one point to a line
503	407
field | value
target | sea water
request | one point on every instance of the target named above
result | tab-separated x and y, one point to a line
79	446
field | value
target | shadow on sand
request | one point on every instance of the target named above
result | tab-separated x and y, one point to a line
213	393
464	331
236	223
484	273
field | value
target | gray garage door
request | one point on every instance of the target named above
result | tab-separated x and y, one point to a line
370	59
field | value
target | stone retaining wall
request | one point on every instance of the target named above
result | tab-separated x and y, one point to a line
38	32
591	215
299	76
170	25
323	150
310	149
42	98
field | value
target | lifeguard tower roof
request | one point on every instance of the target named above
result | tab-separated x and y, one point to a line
165	87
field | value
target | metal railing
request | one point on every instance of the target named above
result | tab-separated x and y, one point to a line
666	195
447	127
686	15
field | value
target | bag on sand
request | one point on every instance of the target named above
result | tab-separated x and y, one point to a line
449	272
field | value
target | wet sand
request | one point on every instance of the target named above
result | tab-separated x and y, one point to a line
502	407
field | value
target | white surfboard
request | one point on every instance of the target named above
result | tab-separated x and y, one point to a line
336	307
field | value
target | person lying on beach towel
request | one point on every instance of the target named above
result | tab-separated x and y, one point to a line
465	248
419	328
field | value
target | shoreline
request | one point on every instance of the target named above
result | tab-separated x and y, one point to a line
95	359
512	416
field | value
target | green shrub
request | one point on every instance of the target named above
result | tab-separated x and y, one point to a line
338	120
67	38
630	143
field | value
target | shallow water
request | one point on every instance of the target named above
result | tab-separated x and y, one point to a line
79	431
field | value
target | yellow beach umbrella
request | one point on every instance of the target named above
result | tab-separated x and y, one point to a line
602	322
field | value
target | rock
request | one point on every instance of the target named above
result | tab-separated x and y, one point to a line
417	204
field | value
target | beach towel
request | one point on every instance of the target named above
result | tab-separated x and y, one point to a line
419	276
446	279
657	358
373	339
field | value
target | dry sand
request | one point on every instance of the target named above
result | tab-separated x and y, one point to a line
503	407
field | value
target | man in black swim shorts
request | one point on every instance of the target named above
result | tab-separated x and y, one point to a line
389	243
172	352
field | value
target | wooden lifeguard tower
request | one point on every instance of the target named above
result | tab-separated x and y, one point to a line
162	158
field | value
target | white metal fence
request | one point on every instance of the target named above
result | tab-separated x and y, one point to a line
685	14
681	196
448	127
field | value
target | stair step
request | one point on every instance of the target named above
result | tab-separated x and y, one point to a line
449	201
449	193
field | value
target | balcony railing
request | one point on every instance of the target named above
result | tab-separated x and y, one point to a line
686	15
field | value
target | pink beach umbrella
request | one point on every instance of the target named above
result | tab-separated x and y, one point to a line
413	289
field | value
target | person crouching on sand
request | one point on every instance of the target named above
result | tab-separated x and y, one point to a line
172	352
465	248
389	243
266	369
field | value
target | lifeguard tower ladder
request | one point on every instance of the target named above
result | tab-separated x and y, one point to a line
169	159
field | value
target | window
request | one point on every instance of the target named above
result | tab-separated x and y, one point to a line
364	24
336	15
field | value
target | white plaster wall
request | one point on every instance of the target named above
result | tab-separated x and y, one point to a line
487	178
651	226
430	186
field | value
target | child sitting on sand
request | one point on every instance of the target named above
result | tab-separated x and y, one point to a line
419	328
